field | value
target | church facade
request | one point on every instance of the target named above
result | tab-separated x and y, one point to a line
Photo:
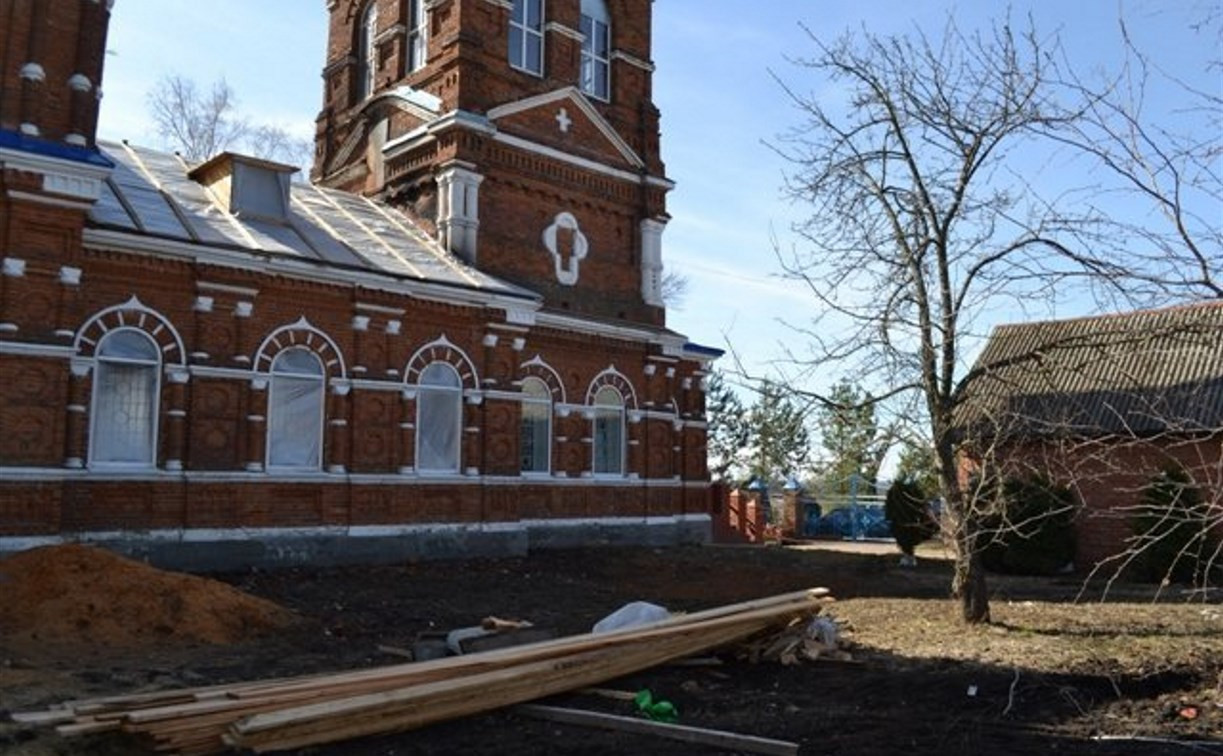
451	341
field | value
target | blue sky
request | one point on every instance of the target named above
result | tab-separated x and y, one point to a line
713	85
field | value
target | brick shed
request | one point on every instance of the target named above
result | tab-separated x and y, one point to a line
1104	404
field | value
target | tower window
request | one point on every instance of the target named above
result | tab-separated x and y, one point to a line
527	36
595	73
367	51
417	39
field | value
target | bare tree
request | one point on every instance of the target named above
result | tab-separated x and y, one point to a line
1168	161
921	227
202	124
674	288
199	124
276	144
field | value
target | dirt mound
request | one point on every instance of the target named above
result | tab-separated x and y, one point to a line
82	594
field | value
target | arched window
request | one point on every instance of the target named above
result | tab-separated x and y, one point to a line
595	74
295	411
417	37
126	387
367	51
535	438
609	432
439	419
527	36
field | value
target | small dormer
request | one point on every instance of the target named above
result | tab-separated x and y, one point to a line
247	187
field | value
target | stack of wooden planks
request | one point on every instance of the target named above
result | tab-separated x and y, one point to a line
273	715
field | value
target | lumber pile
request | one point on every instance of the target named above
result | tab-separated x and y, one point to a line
273	715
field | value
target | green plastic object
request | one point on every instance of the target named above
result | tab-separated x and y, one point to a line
658	711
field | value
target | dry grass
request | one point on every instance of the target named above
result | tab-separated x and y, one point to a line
1042	636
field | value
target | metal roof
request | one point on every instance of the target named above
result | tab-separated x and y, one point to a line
1139	373
149	193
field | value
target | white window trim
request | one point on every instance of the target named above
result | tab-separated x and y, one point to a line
621	410
421	31
368	52
547	403
457	392
93	462
527	30
322	413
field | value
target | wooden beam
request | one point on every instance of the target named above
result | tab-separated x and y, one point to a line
730	741
309	710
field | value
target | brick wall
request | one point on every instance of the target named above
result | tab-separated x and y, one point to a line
210	422
468	68
47	44
218	328
1108	478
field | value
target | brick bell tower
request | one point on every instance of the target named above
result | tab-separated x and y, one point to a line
50	172
521	133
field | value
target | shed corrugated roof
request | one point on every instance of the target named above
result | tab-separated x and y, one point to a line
1141	372
149	193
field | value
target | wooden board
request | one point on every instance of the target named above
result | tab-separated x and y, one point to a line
716	738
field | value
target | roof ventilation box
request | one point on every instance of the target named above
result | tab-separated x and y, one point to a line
248	187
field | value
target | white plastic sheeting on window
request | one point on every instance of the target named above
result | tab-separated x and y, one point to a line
368	52
125	399
439	419
417	35
295	411
609	432
535	439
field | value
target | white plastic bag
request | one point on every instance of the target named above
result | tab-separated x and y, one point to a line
631	615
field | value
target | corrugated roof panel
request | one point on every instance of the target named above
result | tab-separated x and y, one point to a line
326	225
155	214
144	197
1146	371
277	238
108	211
325	246
211	225
338	220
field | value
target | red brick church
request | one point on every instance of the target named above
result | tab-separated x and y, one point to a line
451	341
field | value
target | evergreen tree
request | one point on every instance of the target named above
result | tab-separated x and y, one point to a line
852	437
728	430
1171	533
918	466
780	445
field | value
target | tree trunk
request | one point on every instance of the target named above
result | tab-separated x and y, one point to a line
969	584
974	598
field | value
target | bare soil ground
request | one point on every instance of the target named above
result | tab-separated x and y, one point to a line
1127	676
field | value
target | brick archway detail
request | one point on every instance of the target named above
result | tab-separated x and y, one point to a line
132	314
442	350
617	380
301	335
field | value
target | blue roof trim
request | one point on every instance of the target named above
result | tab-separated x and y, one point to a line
15	140
705	350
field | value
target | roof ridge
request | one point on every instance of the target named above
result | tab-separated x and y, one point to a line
1200	304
